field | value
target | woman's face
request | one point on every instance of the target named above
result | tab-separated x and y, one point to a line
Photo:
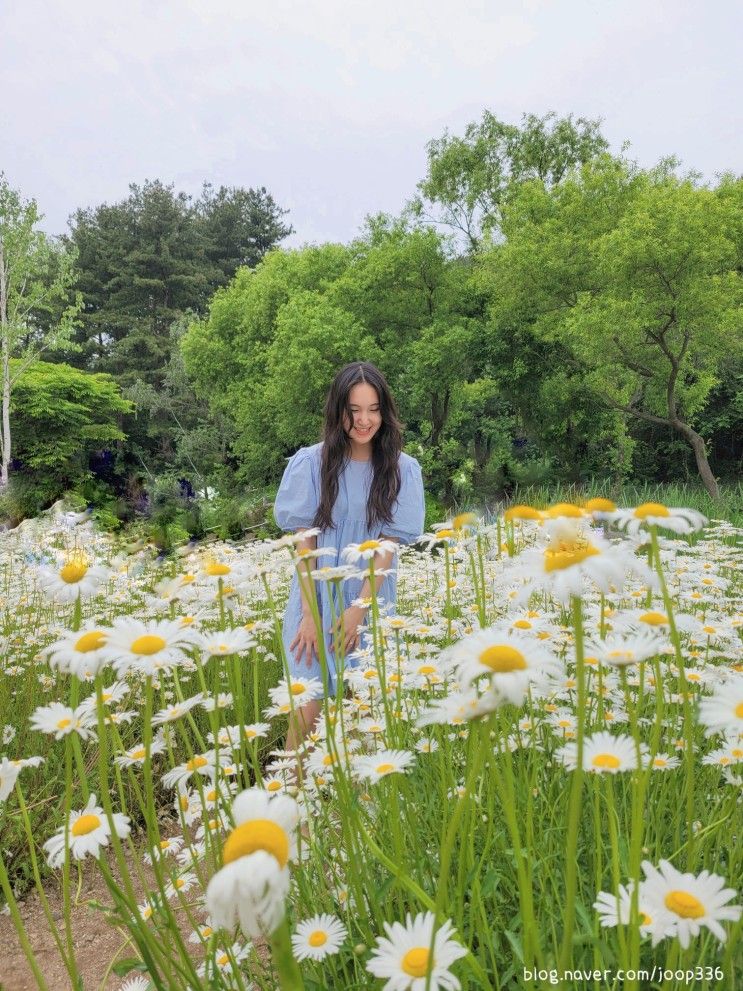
363	403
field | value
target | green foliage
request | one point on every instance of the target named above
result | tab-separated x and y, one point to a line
61	415
26	496
631	275
469	179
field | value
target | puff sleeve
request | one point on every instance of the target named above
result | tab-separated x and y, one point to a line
298	496
409	512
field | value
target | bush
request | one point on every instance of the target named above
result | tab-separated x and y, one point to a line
25	496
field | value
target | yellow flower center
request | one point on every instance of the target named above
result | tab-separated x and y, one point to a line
148	644
223	960
250	733
196	763
599	505
254	835
84	825
605	760
522	513
63	723
685	904
501	658
370	674
660	762
651	509
427	669
564	509
216	570
328	760
137	754
709	629
74	571
654	619
90	641
568	553
369	545
441	534
273	786
522	624
626	655
462	520
385	768
318	938
298	688
415	962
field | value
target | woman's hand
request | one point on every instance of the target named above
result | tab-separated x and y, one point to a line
306	640
346	626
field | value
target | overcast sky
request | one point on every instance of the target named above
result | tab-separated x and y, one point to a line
329	103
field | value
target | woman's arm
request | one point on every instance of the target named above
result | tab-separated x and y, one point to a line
382	561
306	581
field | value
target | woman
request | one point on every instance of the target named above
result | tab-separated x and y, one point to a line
356	485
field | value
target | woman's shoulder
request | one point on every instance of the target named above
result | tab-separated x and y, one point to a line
409	462
312	452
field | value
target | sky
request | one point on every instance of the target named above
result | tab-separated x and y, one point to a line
329	104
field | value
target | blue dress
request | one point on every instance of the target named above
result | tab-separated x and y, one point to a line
295	506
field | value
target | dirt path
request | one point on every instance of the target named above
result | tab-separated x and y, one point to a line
96	942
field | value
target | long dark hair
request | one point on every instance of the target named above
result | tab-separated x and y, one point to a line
336	449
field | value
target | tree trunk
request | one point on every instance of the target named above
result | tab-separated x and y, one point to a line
700	453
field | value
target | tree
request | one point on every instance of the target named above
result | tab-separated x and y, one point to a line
142	264
470	178
36	280
635	273
63	416
240	226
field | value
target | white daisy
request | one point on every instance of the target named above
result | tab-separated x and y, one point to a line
147	647
61	720
299	690
254	881
205	764
181	884
176	710
73	575
9	771
223	700
512	661
616	911
692	901
655	514
622	650
79	652
722	712
225	642
89	830
404	955
167	847
135	756
374	767
574	555
318	937
603	753
367	550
